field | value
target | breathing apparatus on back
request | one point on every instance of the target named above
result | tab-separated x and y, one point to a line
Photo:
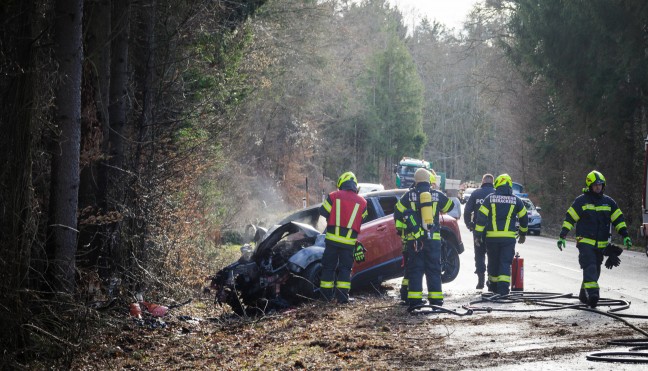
427	214
425	199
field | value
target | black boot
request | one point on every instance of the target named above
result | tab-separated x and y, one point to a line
582	296
480	281
593	300
414	303
403	292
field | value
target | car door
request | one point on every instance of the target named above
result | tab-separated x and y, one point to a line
379	236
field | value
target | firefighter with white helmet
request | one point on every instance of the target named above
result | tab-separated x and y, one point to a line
417	212
344	211
401	228
592	213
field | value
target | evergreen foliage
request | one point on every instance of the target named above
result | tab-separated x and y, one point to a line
189	120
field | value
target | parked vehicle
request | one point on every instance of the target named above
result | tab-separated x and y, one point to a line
466	194
369	187
535	219
406	168
518	190
456	210
284	268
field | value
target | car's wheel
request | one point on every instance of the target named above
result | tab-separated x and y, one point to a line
306	285
450	263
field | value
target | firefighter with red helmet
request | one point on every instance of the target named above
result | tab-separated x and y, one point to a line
423	240
344	211
496	226
592	213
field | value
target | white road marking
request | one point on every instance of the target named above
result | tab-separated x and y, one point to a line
563	267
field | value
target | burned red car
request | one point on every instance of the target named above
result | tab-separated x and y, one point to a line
284	268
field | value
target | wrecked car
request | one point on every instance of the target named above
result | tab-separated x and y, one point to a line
284	268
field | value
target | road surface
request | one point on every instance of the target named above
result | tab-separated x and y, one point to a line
547	269
543	340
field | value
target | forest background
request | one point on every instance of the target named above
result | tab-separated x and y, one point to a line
138	136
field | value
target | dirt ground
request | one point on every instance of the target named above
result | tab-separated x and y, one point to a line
373	332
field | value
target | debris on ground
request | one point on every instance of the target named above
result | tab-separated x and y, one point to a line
373	331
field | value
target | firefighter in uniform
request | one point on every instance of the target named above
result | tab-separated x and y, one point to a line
423	241
592	213
470	215
401	230
496	226
344	211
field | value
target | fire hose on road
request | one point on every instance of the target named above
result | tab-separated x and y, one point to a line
551	302
548	301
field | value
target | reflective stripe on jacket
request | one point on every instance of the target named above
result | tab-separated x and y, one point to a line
408	213
498	215
592	215
344	211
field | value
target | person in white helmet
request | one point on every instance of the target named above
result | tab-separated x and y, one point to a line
423	242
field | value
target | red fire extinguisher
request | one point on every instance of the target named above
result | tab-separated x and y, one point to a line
517	273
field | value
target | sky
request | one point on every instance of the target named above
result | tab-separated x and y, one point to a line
449	12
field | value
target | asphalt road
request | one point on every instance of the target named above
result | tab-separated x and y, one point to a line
547	269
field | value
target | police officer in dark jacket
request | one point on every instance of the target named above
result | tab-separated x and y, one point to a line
470	210
592	212
423	242
496	225
344	211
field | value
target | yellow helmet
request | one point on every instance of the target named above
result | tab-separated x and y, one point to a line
421	175
503	179
346	177
432	177
594	177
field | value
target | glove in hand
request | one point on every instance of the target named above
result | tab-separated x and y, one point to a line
359	254
612	261
562	243
478	242
627	242
521	238
612	250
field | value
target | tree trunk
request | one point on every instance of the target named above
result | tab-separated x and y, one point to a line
94	175
64	190
18	223
117	111
146	133
119	82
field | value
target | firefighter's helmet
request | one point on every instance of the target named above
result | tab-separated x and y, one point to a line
432	177
421	175
594	177
345	178
503	179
